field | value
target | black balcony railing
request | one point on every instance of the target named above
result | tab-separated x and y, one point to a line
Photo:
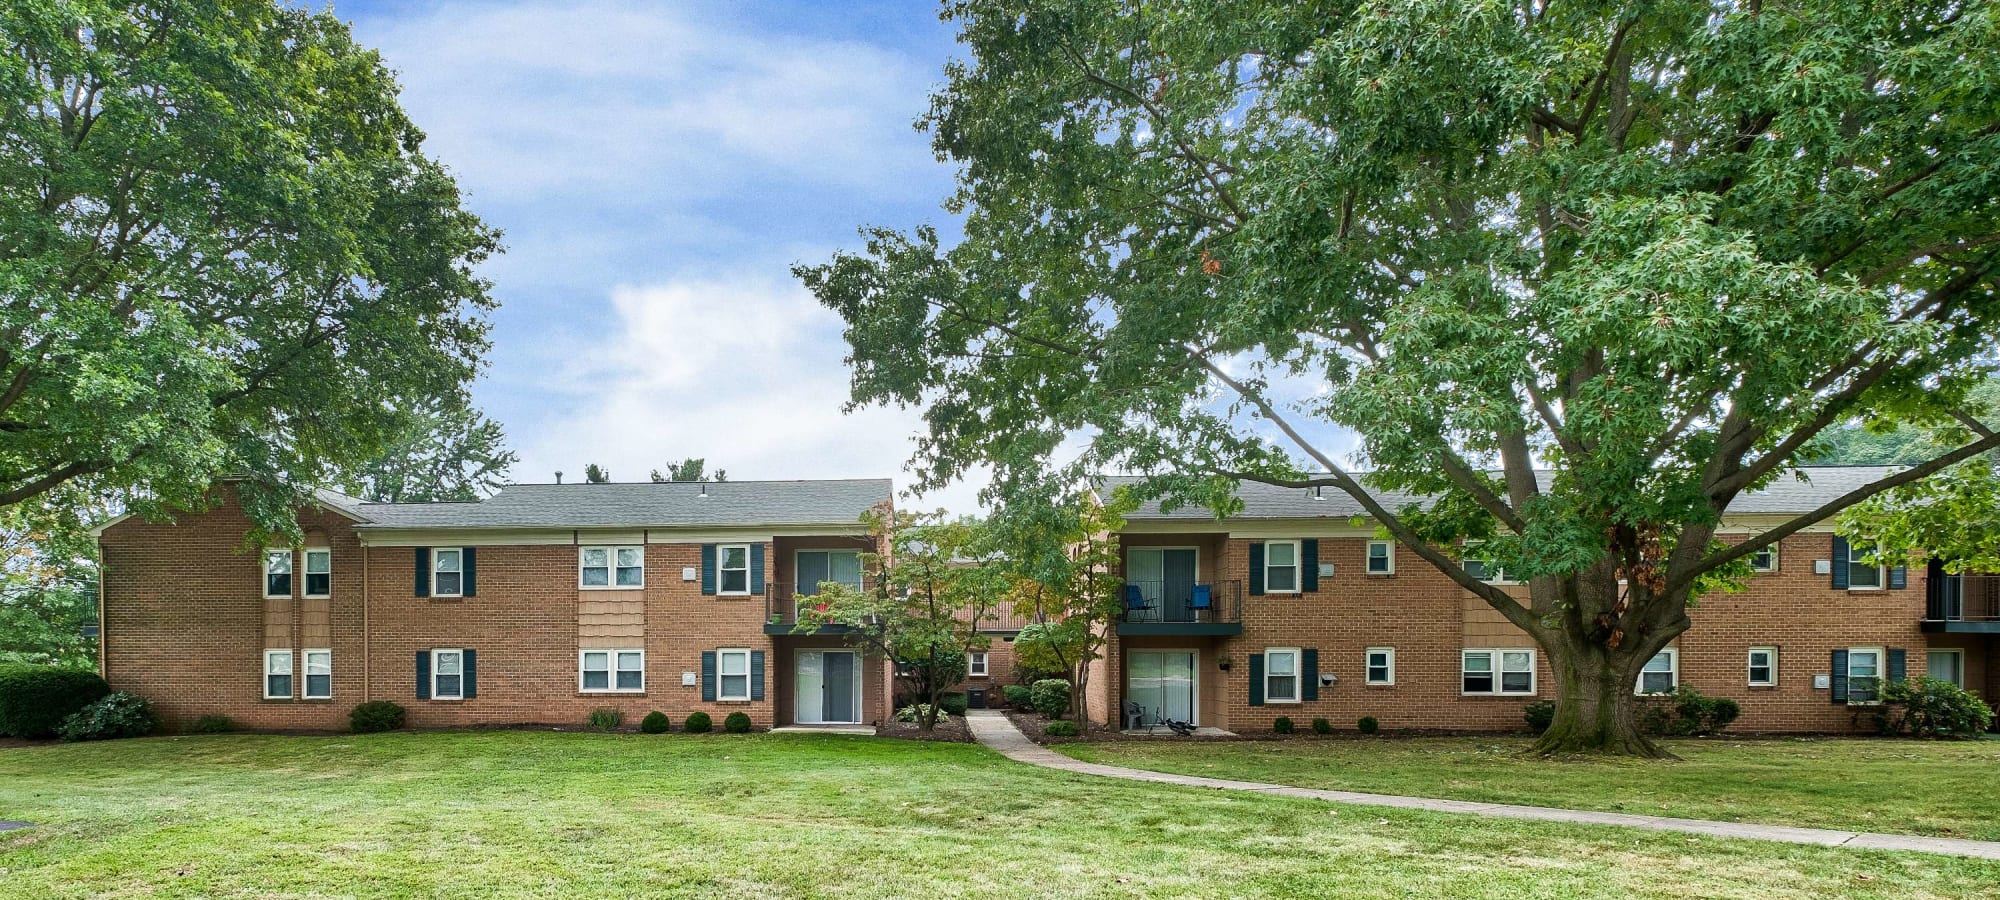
1961	598
784	602
1182	603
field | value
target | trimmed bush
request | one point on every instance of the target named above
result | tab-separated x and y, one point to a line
1018	696
1368	725
655	722
736	723
212	725
1050	697
1061	728
954	703
119	715
605	718
34	700
1283	725
698	723
1687	711
1539	715
1929	708
915	713
1322	726
375	716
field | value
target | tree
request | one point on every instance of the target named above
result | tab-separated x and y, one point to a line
224	251
592	474
937	579
1953	516
694	468
48	578
1653	250
1063	560
453	453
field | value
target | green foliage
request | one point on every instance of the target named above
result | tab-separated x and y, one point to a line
1367	724
1048	649
1929	708
736	723
694	468
441	451
655	722
1283	725
698	722
1539	714
1061	552
34	700
1061	728
1322	726
1050	697
953	702
595	474
48	578
225	253
212	724
376	716
116	715
919	712
1687	711
1018	696
605	718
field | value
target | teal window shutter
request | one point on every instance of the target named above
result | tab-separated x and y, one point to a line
1256	679
1840	562
1309	565
756	674
1257	570
468	561
1899	664
708	570
423	571
423	674
756	570
1839	676
708	676
471	669
1309	673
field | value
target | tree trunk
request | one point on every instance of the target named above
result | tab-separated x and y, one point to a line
1596	707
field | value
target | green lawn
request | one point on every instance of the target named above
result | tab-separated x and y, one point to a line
543	814
1906	787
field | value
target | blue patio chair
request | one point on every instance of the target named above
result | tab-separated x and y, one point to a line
1203	600
1135	599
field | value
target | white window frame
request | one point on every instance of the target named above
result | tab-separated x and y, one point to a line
1768	567
1388	558
1496	657
1368	666
459	554
722	675
722	571
291	672
1881	655
435	693
291	573
1494	574
1297	677
1750	664
1297	567
1881	571
305	686
1673	655
305	586
613	657
611	567
1951	651
976	664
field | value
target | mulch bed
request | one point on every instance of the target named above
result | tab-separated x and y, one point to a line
953	731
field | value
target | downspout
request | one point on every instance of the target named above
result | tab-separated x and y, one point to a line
103	660
366	637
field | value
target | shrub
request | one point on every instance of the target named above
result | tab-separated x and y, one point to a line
736	723
1061	728
954	703
1283	725
119	715
212	725
34	700
656	722
1018	696
1540	714
374	716
1929	708
1050	697
1687	711
605	718
915	713
1368	725
698	723
1322	726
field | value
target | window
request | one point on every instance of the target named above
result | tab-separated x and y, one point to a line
976	664
1281	567
612	567
1497	672
448	575
1864	674
733	563
612	670
278	573
319	674
319	573
447	674
1480	568
815	567
1763	667
1381	558
1861	575
1281	675
277	674
733	666
1381	663
1764	560
1946	665
1661	674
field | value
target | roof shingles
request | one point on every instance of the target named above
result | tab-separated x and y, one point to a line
645	505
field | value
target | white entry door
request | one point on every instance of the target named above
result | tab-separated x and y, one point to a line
1162	683
829	688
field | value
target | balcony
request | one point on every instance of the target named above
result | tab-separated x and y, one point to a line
1961	604
783	603
1181	608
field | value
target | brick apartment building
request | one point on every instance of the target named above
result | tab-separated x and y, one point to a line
547	601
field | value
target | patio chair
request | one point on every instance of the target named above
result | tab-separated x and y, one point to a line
1203	601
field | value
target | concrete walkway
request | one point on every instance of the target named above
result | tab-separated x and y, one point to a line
995	731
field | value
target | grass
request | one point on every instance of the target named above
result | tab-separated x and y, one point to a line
1907	787
546	814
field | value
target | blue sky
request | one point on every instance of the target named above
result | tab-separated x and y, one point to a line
657	168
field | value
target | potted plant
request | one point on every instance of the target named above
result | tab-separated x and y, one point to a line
1224	662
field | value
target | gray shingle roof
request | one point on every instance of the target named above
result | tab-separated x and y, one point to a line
1798	492
645	505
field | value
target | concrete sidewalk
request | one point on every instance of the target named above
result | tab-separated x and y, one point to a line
995	731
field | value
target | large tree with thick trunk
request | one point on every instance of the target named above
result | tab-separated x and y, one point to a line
1652	250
